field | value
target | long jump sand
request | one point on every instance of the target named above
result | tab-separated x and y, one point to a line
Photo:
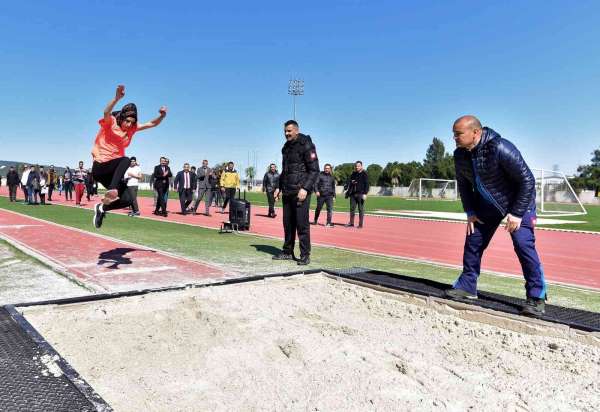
313	343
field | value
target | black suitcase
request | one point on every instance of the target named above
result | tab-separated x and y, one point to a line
239	212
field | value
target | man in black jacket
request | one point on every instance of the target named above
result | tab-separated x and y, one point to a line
269	186
325	191
357	189
184	183
12	181
495	182
161	175
299	172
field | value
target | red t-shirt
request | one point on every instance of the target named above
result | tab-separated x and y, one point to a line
111	141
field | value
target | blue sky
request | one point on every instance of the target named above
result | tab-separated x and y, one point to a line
382	78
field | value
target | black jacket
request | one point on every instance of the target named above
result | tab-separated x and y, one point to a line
159	179
12	178
358	183
300	165
494	175
325	184
179	181
270	181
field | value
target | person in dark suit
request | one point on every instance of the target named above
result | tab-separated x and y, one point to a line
161	175
184	183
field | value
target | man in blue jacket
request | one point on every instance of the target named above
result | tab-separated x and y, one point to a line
495	183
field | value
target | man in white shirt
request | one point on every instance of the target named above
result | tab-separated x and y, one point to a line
132	177
24	178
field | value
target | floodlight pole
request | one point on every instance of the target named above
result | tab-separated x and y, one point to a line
295	88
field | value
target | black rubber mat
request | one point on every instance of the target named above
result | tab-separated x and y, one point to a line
574	318
26	383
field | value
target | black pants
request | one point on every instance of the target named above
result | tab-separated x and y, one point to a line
25	193
133	190
12	192
50	190
357	200
69	190
328	201
185	198
271	200
229	194
110	174
295	219
161	191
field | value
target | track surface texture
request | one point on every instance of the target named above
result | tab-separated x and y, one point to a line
101	263
568	257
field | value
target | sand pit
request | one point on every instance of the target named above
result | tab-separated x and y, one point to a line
313	343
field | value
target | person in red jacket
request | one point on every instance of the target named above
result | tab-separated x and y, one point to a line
110	163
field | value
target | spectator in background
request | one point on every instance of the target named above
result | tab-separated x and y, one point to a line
270	184
132	177
204	176
12	181
24	178
325	192
60	185
33	185
43	185
169	183
89	186
79	178
161	175
68	183
230	181
51	182
357	189
215	186
184	183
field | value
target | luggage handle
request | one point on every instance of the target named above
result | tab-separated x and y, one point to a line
240	194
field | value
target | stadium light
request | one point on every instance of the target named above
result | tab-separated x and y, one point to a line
295	88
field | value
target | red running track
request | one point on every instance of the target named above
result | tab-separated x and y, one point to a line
101	263
568	257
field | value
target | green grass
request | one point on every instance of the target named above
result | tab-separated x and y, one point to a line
375	204
249	254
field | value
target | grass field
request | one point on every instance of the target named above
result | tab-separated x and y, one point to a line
252	254
391	203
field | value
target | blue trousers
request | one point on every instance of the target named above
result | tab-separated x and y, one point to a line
524	244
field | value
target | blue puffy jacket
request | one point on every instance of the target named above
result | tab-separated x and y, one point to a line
494	173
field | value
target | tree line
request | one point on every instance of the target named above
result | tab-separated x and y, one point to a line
437	165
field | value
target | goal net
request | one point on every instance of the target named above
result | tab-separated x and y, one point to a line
554	195
436	189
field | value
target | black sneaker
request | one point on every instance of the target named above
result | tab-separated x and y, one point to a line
283	256
313	223
459	294
534	307
98	216
304	260
329	225
359	226
349	225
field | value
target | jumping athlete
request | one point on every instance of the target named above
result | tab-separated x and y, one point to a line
110	163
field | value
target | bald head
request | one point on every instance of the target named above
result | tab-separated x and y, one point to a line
467	131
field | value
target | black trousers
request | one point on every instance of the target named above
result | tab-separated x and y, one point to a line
110	174
12	192
357	200
295	219
328	201
185	198
271	200
50	190
161	191
25	193
229	194
133	190
68	186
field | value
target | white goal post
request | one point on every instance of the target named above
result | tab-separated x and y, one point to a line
555	195
438	189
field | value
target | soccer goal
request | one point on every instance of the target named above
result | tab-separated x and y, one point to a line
435	189
555	196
